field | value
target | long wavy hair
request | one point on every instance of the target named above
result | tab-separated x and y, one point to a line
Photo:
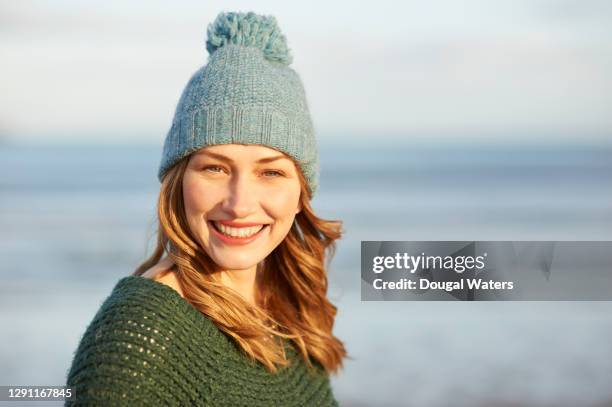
291	296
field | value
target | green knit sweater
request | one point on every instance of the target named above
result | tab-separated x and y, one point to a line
147	345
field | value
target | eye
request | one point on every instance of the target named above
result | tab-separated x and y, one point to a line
274	173
213	168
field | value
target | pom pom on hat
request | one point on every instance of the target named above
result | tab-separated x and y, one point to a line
249	29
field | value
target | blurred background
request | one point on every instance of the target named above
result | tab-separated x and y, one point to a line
442	120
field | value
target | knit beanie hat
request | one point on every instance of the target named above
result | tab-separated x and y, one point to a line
246	94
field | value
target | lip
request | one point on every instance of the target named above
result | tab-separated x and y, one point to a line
237	241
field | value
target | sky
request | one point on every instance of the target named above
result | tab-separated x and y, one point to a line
494	70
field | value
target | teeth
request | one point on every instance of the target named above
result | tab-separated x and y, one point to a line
238	232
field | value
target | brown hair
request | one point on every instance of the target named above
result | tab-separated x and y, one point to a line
291	293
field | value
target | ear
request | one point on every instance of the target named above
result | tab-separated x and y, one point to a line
299	209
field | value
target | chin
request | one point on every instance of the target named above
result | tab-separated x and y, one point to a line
236	264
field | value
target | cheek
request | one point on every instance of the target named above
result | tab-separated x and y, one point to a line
197	196
284	202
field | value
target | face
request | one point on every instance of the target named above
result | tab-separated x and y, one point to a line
240	202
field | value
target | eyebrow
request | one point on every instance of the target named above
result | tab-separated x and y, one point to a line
224	158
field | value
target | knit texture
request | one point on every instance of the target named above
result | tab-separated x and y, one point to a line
147	346
245	94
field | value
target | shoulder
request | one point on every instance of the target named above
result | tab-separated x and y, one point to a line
137	301
163	272
134	345
169	279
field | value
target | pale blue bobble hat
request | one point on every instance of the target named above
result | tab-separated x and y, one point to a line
245	94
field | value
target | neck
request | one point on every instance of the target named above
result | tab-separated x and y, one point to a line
241	281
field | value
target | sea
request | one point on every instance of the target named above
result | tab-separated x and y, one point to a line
75	218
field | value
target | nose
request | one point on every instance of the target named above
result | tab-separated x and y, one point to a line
241	199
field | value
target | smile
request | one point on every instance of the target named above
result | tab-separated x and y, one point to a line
237	235
237	232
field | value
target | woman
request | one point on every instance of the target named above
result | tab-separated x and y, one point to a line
231	307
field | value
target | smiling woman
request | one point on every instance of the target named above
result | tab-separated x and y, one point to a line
231	308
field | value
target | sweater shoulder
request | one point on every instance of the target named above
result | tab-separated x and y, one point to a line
140	347
148	309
